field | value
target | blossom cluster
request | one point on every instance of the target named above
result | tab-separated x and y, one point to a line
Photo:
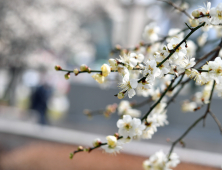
159	161
155	70
209	15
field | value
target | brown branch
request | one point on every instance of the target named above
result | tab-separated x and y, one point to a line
118	48
136	105
217	52
177	7
158	101
81	149
207	55
194	124
216	120
209	104
184	134
174	96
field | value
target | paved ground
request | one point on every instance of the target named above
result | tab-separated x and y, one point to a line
41	155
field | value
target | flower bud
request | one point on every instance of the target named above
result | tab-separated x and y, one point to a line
105	70
118	47
83	67
57	67
111	141
120	95
80	148
97	142
194	22
99	78
141	43
76	71
71	155
116	135
137	48
195	13
67	76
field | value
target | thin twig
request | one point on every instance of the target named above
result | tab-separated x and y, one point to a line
148	44
207	55
209	104
142	103
194	124
158	101
181	78
184	40
174	96
184	134
177	7
216	120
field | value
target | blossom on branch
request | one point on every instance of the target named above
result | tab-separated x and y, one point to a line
159	161
130	127
113	146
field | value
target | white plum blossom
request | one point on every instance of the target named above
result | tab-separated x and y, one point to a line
105	70
194	22
138	57
159	107
218	88
160	119
151	69
99	78
151	50
220	54
205	11
199	98
180	51
206	92
158	71
113	63
175	33
159	161
144	90
122	70
96	142
185	63
149	130
218	31
191	48
130	127
113	146
130	60
192	73
144	86
216	14
165	67
202	39
151	32
214	69
125	108
155	94
128	85
188	106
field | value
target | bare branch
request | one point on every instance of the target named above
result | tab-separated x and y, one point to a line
194	124
216	120
177	7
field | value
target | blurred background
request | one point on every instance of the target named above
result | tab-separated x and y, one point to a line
36	35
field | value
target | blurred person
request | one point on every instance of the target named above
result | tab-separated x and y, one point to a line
40	97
